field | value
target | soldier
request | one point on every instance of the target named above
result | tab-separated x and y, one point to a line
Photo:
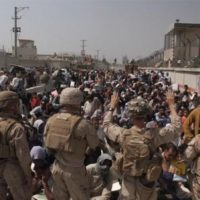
192	156
139	164
14	151
192	120
69	135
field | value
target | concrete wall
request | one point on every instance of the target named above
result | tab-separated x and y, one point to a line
7	60
183	76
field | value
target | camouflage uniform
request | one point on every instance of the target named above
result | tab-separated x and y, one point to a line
69	173
192	155
14	154
192	119
132	187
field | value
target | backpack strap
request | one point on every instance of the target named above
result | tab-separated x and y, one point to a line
6	151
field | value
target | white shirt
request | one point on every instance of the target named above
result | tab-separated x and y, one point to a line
87	108
15	82
3	80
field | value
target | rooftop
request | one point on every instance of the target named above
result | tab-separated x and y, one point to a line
186	25
183	26
25	40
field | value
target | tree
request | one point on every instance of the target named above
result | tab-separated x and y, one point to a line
125	60
115	61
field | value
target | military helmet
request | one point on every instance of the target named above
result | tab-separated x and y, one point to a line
7	96
138	107
71	96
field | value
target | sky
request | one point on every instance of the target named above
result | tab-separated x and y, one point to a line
132	28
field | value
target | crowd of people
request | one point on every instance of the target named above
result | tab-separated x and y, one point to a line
98	135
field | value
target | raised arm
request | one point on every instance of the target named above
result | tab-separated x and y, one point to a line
112	131
172	131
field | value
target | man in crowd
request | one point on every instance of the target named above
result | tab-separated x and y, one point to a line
68	135
15	160
3	80
192	120
100	178
17	83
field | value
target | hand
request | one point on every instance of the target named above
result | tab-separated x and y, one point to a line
170	97
114	101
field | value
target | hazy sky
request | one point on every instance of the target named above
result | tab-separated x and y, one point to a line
134	28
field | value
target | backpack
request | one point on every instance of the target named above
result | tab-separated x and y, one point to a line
136	152
59	132
138	158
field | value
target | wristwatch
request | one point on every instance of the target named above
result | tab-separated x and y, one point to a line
111	109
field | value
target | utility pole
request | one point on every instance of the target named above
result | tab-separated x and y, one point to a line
16	29
98	53
83	48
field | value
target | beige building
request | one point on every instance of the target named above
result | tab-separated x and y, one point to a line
26	49
182	43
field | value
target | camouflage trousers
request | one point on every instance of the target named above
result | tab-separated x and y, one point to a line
70	183
133	189
195	186
12	177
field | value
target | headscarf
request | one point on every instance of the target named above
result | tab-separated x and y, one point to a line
103	168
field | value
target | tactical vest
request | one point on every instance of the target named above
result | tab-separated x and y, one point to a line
138	158
59	132
6	150
135	153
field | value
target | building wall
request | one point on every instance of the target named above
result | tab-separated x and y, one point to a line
26	43
186	44
26	49
7	60
27	52
168	54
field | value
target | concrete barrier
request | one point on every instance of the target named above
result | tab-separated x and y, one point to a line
36	89
183	76
41	88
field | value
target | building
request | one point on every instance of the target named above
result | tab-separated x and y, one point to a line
182	43
26	49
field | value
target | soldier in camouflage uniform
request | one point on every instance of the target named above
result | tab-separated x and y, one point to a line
15	160
69	135
140	169
192	156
